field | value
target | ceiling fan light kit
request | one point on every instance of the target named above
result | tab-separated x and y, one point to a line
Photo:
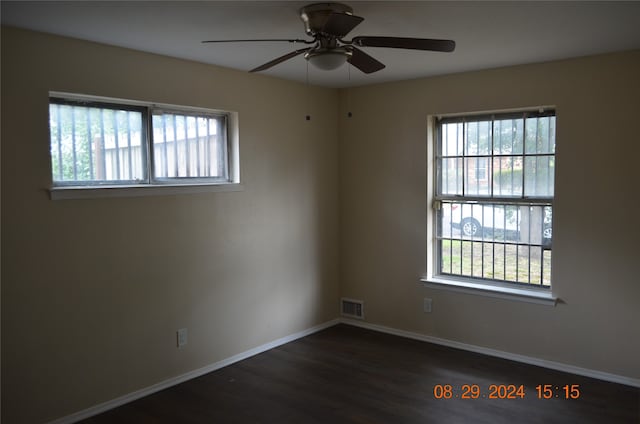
328	59
328	24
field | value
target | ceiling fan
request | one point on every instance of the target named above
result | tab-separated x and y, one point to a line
328	24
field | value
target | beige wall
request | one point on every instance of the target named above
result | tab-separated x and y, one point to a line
94	290
383	211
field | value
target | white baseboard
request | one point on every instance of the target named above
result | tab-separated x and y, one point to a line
114	403
600	375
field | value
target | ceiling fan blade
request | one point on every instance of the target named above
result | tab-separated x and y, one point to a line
364	62
264	39
340	24
280	60
406	43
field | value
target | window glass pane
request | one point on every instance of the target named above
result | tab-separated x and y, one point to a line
477	171
500	222
94	144
188	146
539	176
535	225
478	138
452	142
507	176
451	176
508	136
546	268
540	135
547	230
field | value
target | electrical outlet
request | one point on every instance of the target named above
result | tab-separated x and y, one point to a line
427	304
182	337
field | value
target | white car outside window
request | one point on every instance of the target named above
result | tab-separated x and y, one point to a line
506	222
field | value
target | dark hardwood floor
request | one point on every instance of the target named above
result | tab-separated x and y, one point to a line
346	374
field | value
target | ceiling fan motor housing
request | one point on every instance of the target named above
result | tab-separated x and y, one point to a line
315	16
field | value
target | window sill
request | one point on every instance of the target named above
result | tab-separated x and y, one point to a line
63	193
511	293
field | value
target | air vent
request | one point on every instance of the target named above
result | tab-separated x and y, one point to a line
352	308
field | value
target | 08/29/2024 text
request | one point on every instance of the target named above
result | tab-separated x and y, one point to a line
505	391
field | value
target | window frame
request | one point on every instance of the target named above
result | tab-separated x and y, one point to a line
66	101
150	185
434	277
224	117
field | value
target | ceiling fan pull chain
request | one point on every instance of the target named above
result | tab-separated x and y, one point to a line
308	117
349	114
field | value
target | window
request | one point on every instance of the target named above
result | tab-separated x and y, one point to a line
96	143
493	199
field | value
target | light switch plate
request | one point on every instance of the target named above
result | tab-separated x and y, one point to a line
182	337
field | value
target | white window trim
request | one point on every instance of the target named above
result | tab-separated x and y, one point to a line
532	295
537	295
62	192
93	192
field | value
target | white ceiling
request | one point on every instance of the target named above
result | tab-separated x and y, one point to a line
488	34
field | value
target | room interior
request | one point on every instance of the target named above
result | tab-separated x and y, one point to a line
93	290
